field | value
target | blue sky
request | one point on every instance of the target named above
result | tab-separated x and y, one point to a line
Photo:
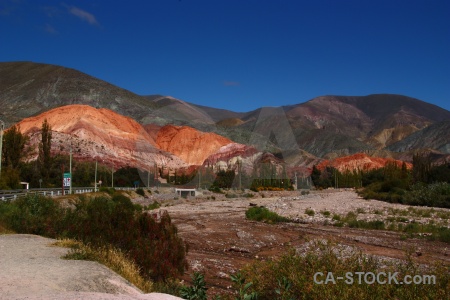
240	55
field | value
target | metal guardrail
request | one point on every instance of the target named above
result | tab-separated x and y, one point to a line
6	195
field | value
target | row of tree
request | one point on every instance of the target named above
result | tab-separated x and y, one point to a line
422	171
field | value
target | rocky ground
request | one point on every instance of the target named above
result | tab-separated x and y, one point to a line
221	240
31	268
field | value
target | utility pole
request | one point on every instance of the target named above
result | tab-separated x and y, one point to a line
295	180
95	185
199	176
112	176
148	178
70	169
62	181
240	171
2	127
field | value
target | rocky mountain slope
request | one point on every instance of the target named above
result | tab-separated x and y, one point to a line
28	89
116	140
99	134
191	145
435	136
324	127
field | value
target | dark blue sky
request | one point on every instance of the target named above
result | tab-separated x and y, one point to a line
241	55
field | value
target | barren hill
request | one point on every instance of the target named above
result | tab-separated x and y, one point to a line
99	134
28	88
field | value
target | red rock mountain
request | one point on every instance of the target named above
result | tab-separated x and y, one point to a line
359	161
99	134
189	144
103	135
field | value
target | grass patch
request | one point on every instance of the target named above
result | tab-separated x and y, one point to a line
262	214
109	256
360	210
326	213
310	212
154	205
336	217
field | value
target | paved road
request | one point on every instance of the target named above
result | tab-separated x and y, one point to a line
32	269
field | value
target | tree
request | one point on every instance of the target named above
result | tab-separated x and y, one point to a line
13	147
315	176
421	167
45	159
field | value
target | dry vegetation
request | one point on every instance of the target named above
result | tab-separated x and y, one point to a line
109	256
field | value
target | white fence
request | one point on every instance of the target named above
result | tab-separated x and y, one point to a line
6	195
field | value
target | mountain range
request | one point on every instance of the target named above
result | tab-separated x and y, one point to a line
169	129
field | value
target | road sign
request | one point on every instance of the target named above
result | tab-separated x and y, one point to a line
67	179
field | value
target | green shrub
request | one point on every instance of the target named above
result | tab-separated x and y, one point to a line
154	205
198	289
33	214
309	212
215	189
262	214
326	213
107	190
140	191
292	276
231	195
336	217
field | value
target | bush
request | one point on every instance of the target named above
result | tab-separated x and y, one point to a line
309	212
116	221
326	213
140	191
153	206
292	276
103	222
231	196
107	190
436	195
262	214
34	215
198	289
215	189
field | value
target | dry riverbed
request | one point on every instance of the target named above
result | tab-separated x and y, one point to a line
221	240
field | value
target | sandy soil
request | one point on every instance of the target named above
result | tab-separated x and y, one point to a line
32	269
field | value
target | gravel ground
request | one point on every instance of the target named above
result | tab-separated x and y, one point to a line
32	269
341	202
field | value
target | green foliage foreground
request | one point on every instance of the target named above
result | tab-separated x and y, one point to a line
103	221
